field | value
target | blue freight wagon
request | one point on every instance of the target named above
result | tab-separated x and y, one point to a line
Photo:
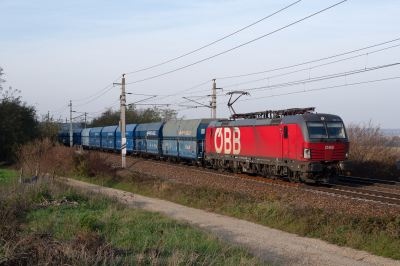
77	136
130	135
65	137
60	138
95	137
108	137
185	139
85	137
154	136
170	140
141	142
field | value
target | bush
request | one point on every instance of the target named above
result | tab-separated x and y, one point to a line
373	152
92	164
31	154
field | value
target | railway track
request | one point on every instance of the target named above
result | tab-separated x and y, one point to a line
348	191
370	182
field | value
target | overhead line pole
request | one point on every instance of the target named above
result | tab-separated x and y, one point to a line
123	140
214	100
122	127
71	144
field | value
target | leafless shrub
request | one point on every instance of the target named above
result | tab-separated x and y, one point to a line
84	249
373	152
30	156
58	159
92	164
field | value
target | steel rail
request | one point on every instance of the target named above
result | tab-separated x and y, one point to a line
364	191
366	194
353	194
364	179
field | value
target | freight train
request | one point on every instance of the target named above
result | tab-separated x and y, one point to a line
294	143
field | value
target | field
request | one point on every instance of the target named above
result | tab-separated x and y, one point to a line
378	235
69	226
7	177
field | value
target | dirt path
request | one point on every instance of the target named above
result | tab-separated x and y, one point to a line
271	245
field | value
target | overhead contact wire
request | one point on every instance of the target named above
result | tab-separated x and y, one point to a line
97	92
309	68
298	21
309	62
320	78
214	41
324	88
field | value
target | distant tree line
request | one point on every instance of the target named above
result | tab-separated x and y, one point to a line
20	124
17	121
134	115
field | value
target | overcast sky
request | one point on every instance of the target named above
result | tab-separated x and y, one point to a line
56	51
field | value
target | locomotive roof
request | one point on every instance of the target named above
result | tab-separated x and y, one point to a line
292	119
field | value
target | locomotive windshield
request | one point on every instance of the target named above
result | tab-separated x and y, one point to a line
324	130
317	130
336	130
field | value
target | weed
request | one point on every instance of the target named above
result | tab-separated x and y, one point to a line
100	231
353	230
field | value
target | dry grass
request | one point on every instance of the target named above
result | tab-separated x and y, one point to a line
32	155
100	231
373	152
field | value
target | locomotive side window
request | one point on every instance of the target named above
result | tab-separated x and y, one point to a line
285	133
336	130
317	130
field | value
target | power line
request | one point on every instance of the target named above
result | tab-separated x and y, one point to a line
113	105
65	108
97	92
237	46
94	98
309	62
324	88
321	78
309	68
297	82
58	109
214	41
180	92
316	79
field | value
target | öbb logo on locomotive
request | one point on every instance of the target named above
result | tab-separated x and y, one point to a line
329	147
227	140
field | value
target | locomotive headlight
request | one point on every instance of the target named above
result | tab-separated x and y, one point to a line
307	153
346	154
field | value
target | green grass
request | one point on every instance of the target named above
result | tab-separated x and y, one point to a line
378	235
7	176
146	238
132	228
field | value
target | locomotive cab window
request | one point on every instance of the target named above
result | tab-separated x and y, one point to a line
317	130
285	133
323	130
336	130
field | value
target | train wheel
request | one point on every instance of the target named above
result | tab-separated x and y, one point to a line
294	177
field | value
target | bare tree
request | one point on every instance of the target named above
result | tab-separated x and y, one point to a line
1	80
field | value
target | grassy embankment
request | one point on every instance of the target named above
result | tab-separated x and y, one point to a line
378	235
99	231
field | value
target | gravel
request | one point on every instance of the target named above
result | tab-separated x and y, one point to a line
299	196
271	245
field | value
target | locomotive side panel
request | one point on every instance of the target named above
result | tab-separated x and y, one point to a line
262	141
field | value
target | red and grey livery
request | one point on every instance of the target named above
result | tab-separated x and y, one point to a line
304	147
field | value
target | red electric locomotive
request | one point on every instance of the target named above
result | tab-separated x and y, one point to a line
294	143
